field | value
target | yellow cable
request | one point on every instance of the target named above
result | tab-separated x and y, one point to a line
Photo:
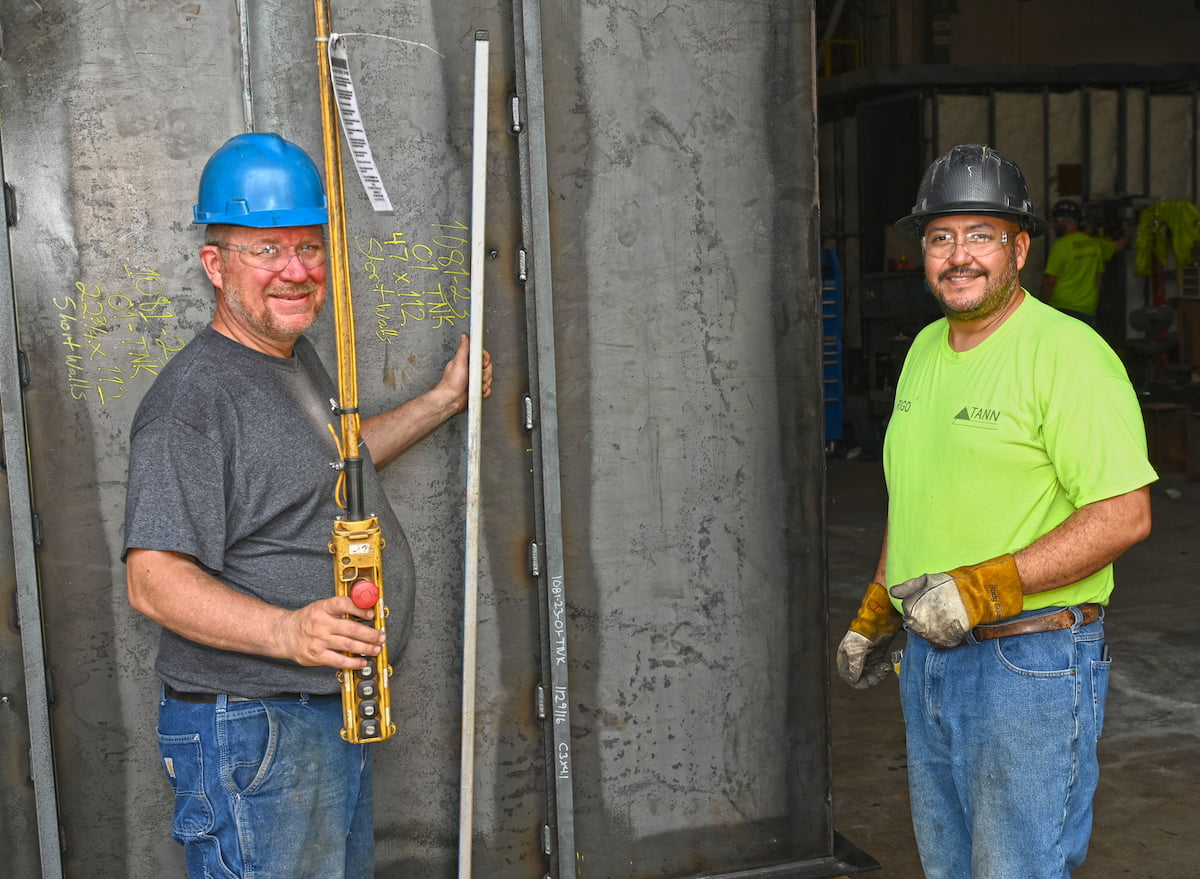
339	490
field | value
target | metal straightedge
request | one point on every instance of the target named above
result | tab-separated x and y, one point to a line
29	608
528	124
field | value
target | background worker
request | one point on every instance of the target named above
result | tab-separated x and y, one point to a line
229	511
1016	471
1076	261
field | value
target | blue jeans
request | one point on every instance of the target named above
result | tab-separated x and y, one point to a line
268	790
1002	751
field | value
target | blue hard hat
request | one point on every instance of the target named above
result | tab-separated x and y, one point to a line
261	180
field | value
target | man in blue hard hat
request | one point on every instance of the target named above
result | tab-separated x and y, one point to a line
230	504
1016	471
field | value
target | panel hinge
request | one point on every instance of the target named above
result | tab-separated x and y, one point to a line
522	265
527	412
539	699
10	204
22	369
547	849
515	125
535	559
37	530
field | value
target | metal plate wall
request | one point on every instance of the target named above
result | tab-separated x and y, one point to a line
682	206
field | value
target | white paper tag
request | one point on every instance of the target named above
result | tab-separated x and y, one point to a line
352	126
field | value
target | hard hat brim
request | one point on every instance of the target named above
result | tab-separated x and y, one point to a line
263	219
913	226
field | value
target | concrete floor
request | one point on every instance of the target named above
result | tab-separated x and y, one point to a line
1149	795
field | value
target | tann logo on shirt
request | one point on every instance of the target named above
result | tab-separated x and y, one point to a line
977	416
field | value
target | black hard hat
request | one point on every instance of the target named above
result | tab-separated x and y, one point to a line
1065	207
972	179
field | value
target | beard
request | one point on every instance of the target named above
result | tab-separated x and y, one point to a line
269	325
997	290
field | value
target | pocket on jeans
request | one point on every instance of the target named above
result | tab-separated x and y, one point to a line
1100	675
1043	654
249	737
183	761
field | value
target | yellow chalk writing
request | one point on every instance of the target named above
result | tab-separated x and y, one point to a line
114	339
413	281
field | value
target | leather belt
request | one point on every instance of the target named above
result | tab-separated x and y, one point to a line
1050	622
211	698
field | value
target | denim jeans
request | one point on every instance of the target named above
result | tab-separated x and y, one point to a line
1002	751
268	790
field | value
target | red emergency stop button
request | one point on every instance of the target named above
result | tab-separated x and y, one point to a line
364	594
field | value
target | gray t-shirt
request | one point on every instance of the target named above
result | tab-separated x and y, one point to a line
230	455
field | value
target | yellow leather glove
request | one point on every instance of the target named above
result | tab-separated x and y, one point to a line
862	656
942	608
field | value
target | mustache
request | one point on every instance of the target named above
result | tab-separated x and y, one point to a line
305	288
974	273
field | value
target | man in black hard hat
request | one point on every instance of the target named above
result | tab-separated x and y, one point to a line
229	509
1016	470
1076	261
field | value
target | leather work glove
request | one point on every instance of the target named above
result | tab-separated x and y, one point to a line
862	656
942	608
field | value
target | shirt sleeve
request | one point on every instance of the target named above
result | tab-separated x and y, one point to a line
176	500
1096	438
1107	248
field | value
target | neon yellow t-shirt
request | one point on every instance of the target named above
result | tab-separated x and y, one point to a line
989	449
1076	261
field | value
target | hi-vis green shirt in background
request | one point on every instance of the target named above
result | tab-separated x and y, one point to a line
989	449
1076	261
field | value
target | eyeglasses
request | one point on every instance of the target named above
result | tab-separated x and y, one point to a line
941	245
275	257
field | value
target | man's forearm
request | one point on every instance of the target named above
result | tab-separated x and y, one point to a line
881	568
1093	536
390	433
171	589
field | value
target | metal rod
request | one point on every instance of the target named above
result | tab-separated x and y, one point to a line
29	608
991	117
1046	174
1122	141
244	65
466	800
935	124
834	18
1147	138
1195	151
1085	144
539	295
